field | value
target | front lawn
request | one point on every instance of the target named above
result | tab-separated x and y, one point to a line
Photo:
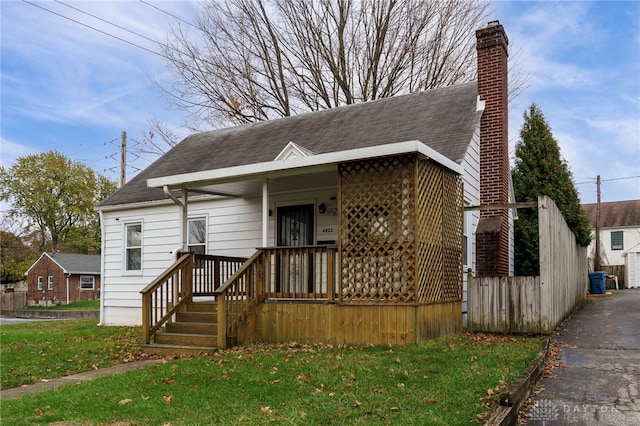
43	350
454	380
85	305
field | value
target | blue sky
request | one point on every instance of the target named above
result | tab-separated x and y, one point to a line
73	89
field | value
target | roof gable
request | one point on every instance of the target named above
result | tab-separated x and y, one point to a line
293	151
443	119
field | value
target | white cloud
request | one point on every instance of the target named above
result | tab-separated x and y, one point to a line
10	151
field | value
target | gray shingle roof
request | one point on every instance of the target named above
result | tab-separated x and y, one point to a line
614	214
443	119
78	263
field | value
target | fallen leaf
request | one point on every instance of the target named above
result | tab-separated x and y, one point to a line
266	410
394	409
124	401
167	398
303	415
45	380
489	392
304	378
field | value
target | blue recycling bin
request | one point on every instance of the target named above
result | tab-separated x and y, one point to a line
597	282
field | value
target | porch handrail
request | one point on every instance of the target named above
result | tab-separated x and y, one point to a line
238	296
162	298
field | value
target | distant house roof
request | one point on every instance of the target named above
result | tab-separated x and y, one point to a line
443	119
614	214
74	263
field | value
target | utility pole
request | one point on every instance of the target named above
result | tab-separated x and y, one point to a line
123	160
596	258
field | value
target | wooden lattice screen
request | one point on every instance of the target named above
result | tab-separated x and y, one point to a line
400	231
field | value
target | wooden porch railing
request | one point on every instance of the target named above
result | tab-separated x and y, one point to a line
307	272
162	298
238	297
191	275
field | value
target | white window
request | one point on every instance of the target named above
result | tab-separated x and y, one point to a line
617	240
40	281
50	282
86	282
197	239
133	246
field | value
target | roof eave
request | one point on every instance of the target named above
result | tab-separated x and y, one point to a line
296	166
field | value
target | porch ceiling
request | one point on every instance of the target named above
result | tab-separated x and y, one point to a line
253	186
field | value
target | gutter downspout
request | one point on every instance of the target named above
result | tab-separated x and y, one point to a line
183	216
68	275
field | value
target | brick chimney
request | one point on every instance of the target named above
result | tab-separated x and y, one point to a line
492	237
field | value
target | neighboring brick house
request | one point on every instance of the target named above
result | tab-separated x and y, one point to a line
63	277
619	225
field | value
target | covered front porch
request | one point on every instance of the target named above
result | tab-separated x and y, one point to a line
377	259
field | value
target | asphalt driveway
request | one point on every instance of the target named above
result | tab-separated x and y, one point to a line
597	381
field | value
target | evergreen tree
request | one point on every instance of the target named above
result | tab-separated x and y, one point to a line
540	170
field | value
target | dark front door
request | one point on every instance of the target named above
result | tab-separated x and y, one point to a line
294	268
295	225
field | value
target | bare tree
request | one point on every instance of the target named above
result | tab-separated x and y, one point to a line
253	60
159	139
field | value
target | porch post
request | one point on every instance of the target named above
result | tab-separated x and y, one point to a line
265	212
185	230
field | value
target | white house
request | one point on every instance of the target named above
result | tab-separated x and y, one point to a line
619	224
310	180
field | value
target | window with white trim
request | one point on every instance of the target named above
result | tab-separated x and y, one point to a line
40	281
50	282
197	238
133	246
617	240
86	282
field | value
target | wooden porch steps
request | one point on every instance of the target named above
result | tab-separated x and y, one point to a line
194	332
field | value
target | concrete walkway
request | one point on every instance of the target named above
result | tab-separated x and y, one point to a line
81	377
597	381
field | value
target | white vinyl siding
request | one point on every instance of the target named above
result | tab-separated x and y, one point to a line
234	228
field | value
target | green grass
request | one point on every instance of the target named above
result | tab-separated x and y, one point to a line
31	352
85	305
450	381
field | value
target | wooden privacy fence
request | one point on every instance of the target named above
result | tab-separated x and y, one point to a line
534	304
11	300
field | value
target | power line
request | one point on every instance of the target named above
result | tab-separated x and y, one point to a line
168	13
621	178
96	29
108	22
204	60
607	180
